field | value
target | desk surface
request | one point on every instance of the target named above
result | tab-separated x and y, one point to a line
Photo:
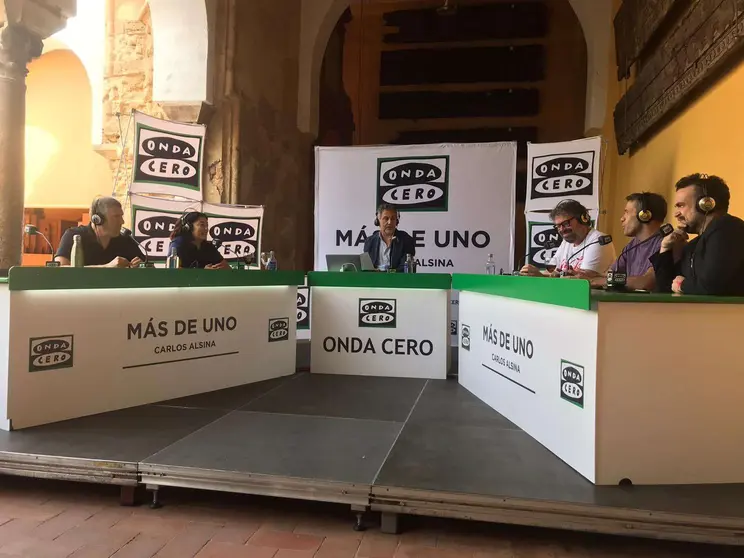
47	278
573	293
362	280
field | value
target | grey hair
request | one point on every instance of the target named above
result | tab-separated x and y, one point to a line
102	204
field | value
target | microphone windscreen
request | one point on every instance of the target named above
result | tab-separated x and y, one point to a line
605	240
125	232
666	229
217	243
550	244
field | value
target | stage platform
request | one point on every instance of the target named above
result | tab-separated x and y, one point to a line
398	446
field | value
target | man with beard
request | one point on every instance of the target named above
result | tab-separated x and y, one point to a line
642	218
712	263
581	254
389	247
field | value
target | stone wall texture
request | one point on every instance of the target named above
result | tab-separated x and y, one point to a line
274	161
127	87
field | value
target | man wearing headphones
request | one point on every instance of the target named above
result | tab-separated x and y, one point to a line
712	263
580	254
389	247
642	218
103	245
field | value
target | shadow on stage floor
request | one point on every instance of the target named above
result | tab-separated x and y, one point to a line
396	445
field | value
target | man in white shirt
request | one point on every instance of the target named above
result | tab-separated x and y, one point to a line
580	254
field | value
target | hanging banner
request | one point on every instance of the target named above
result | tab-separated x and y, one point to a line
167	157
543	239
565	170
237	229
153	220
455	200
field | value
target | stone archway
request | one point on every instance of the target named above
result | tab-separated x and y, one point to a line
320	16
183	41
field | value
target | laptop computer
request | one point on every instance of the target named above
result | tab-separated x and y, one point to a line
357	262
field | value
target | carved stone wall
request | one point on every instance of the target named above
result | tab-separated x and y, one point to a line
679	47
127	86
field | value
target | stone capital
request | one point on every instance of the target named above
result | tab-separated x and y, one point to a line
18	46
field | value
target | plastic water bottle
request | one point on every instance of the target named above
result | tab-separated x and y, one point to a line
173	261
408	266
490	265
271	264
77	258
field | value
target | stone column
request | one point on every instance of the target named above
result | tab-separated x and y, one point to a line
18	46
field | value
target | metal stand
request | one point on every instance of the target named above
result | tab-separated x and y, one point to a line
360	512
155	504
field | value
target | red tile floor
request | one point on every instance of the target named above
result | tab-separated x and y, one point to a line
45	519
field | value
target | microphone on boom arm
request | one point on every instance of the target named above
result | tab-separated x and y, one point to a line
549	245
32	230
126	233
603	240
617	280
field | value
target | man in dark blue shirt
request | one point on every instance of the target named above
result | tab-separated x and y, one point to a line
102	242
389	247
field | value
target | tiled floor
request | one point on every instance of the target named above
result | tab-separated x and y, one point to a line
44	519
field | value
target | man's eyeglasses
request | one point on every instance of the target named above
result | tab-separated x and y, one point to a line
563	224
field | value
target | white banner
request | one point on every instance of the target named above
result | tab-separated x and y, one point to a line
167	157
160	344
516	359
237	228
565	170
456	201
400	333
543	239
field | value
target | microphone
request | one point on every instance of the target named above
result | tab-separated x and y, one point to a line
617	280
217	243
32	230
549	245
125	232
603	240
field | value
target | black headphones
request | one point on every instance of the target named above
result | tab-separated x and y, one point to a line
705	203
377	218
96	217
185	225
644	215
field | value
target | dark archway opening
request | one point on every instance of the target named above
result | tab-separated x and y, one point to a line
467	71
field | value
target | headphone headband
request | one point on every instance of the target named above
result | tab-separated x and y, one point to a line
380	209
582	215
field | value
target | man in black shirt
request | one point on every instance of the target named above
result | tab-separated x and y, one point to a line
712	263
103	245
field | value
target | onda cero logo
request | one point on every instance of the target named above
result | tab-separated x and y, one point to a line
572	383
152	229
378	312
544	241
50	353
167	158
237	237
414	183
465	337
303	307
278	329
563	175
